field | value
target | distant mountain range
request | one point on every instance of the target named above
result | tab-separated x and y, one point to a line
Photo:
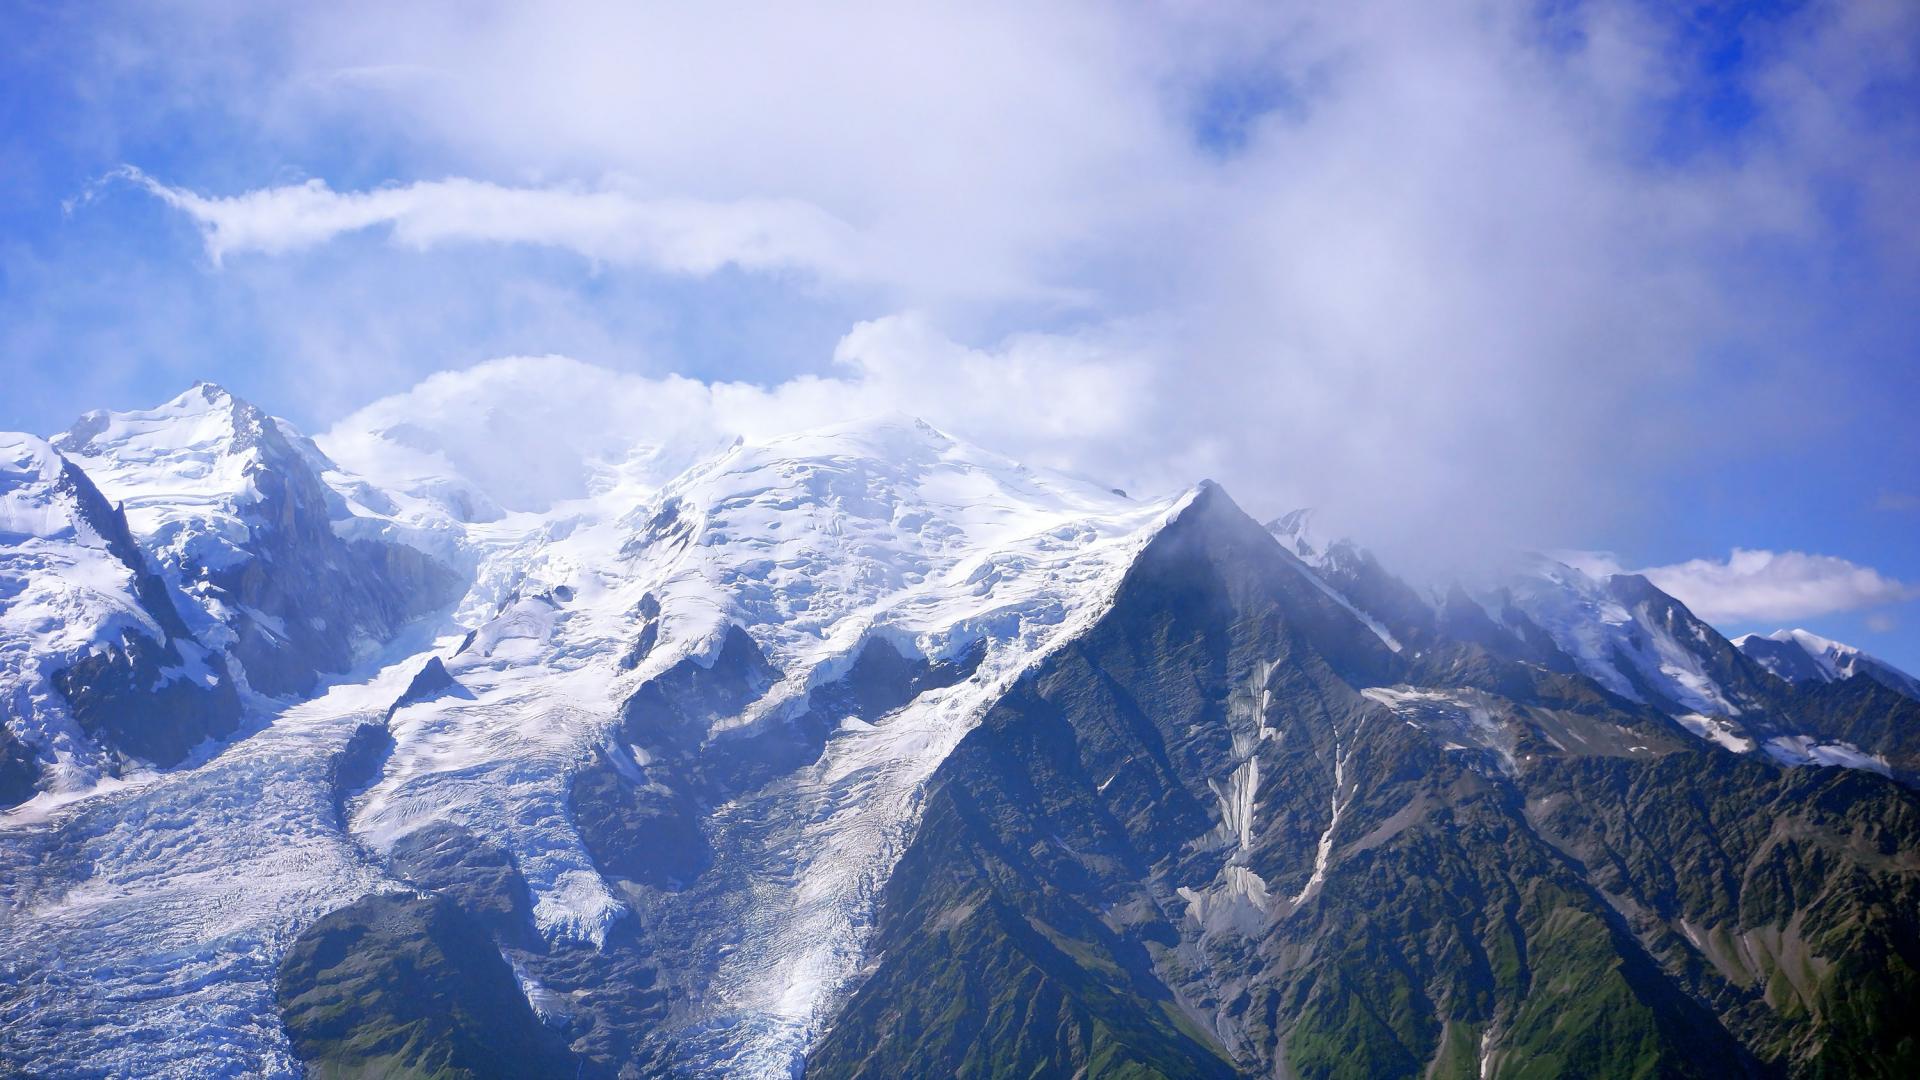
460	744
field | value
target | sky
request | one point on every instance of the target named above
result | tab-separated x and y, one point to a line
1630	278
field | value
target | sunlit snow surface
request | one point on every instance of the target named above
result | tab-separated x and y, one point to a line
1804	656
140	928
813	544
1612	643
1807	750
62	595
184	472
1463	719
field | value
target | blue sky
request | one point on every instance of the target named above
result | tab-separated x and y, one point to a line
1626	277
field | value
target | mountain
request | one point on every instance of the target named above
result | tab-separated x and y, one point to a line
1805	658
863	751
99	674
1791	698
229	503
1219	835
715	799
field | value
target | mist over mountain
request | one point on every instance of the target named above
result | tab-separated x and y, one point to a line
482	737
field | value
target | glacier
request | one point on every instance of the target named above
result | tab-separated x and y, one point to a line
813	543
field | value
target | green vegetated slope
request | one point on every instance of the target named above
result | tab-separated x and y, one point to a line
410	986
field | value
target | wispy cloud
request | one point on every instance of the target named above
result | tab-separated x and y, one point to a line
687	236
1753	585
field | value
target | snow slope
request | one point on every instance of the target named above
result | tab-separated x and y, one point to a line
140	929
184	471
1800	656
1618	643
813	543
70	587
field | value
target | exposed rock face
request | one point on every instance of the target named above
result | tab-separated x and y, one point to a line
1190	844
1862	712
1741	685
476	874
18	770
432	682
124	698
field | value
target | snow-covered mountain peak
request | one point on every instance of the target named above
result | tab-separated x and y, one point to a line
1802	656
26	458
850	519
218	493
775	563
1786	655
1828	654
205	417
1630	637
30	500
195	455
1295	531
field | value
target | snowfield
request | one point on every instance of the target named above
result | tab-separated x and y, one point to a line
64	594
813	544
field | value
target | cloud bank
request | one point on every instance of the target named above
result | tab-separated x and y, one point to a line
529	432
1750	586
1463	275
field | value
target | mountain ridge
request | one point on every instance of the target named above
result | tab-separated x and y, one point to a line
861	749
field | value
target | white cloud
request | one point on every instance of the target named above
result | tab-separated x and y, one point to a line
1052	398
688	236
1456	286
1752	585
530	431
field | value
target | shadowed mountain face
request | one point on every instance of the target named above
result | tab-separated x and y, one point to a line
399	986
863	752
1196	842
